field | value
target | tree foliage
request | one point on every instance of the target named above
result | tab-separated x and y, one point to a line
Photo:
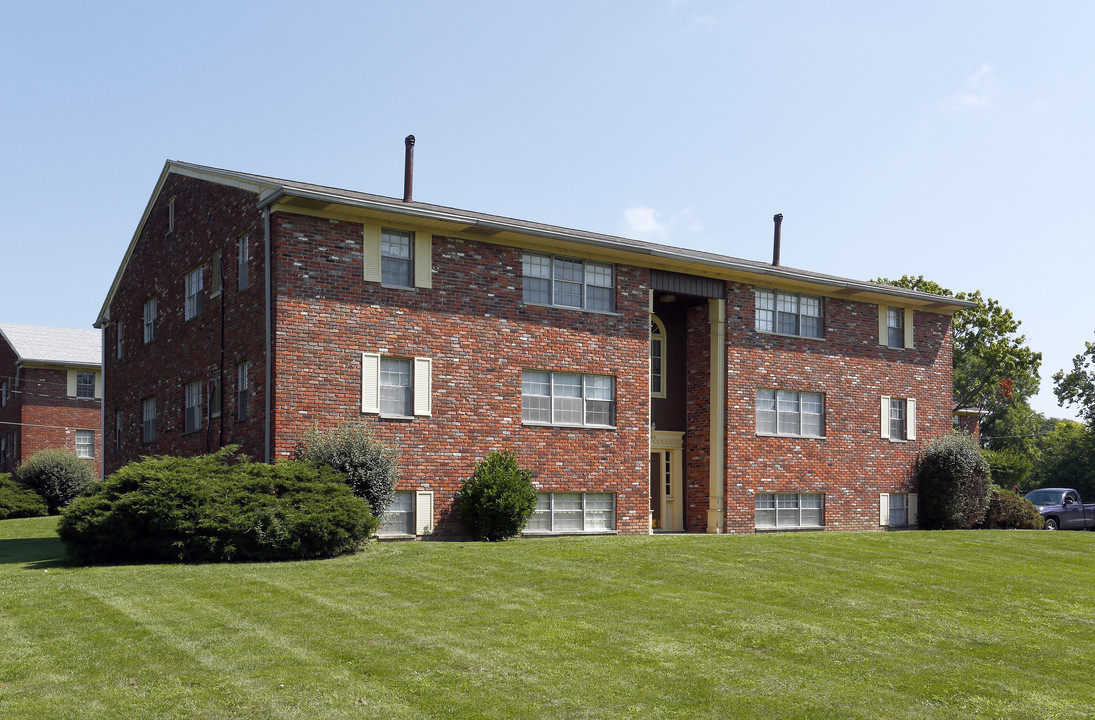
498	499
57	475
1067	459
1077	387
953	482
993	367
371	467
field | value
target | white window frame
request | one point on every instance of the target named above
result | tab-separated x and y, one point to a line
784	506
596	518
892	317
193	285
777	416
768	312
148	420
887	410
592	281
216	274
405	277
412	516
658	343
4	393
243	389
192	402
421	256
149	320
215	398
171	214
85	444
243	257
118	340
82	385
905	505
421	385
555	381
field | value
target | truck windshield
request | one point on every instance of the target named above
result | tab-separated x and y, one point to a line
1044	497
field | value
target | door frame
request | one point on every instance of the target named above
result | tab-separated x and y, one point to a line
669	445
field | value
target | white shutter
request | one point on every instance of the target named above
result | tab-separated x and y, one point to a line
423	512
71	389
650	301
370	249
883	326
910	418
98	386
910	503
423	259
422	381
909	328
885	413
884	509
370	382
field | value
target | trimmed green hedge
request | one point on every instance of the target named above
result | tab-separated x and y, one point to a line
1008	511
209	509
19	501
497	501
57	475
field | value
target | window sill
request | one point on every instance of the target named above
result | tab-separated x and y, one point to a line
611	313
567	426
803	528
788	335
793	437
397	537
397	418
565	533
398	287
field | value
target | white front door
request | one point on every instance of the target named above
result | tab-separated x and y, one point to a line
666	482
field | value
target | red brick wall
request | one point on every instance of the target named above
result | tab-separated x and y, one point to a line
852	464
697	452
38	415
229	330
480	336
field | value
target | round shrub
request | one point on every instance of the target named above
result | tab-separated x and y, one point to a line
207	509
57	475
19	501
954	485
498	499
371	468
1008	511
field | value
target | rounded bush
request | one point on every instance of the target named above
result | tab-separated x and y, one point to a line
954	485
19	501
370	467
206	509
1008	511
57	475
498	499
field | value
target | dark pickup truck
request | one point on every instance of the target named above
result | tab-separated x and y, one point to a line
1062	509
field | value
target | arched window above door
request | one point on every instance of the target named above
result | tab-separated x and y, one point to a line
657	357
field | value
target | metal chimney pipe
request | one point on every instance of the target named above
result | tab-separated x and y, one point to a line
408	169
778	220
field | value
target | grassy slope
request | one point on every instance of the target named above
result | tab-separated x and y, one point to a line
865	625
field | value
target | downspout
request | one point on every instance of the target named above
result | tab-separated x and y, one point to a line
268	360
102	407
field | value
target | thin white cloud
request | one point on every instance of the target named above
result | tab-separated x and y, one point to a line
646	223
976	95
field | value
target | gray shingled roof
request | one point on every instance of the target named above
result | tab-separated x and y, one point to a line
34	343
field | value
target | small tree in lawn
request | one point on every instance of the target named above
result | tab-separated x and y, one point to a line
371	467
57	475
953	480
497	501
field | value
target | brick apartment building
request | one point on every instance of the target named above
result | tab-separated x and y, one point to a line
50	392
648	387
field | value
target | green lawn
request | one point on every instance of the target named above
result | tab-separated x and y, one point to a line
818	625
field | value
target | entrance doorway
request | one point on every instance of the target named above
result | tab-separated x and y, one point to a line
666	482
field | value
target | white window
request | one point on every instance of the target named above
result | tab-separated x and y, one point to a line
411	513
118	339
3	393
396	258
243	258
150	320
787	412
4	450
216	279
148	420
193	419
787	313
895	327
567	282
214	397
897	509
898	418
117	429
85	384
555	398
193	293
789	510
657	357
573	512
170	214
85	444
242	389
396	387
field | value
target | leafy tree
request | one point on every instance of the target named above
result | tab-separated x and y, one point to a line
1077	387
370	466
993	367
1067	459
498	499
57	475
953	482
1009	468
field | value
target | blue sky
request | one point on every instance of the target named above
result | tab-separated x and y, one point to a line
945	139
